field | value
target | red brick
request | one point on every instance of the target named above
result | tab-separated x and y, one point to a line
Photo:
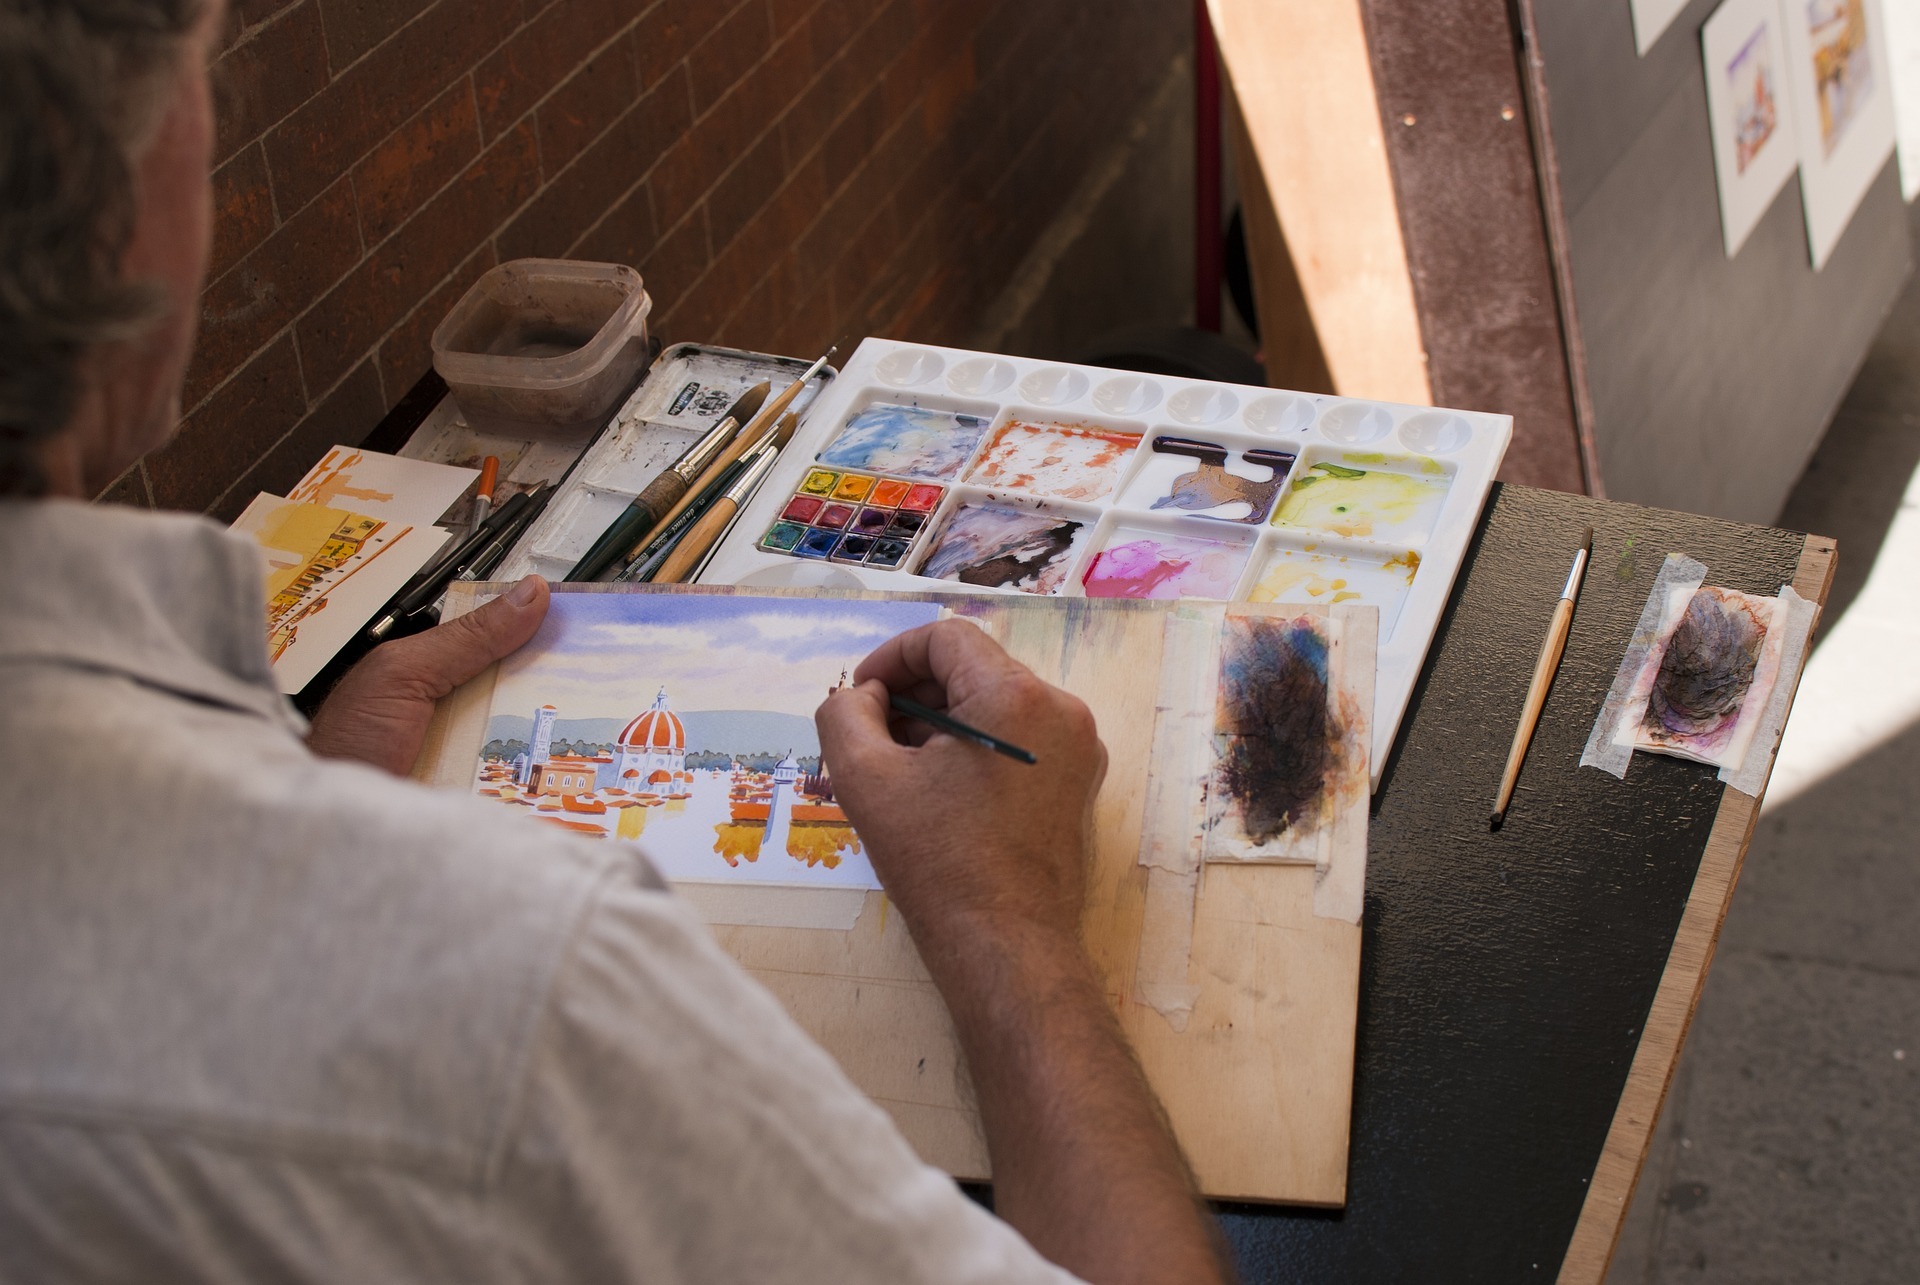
356	26
129	489
242	209
225	438
251	13
415	161
721	61
357	313
542	55
625	235
677	262
242	311
343	418
407	353
598	177
745	189
668	30
709	149
789	14
373	97
582	108
265	76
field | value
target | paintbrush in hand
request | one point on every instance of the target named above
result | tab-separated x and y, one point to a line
954	727
1543	672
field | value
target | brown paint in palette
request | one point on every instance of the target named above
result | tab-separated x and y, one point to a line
1063	461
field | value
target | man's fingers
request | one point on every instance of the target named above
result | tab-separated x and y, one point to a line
948	653
852	723
448	655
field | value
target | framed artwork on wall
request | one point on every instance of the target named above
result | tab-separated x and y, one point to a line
1754	146
1840	83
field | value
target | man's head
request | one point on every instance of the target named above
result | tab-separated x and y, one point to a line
106	130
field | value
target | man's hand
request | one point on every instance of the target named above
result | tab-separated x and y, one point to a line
987	860
378	714
964	838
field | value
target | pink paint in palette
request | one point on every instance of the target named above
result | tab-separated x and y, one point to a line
1064	461
1150	564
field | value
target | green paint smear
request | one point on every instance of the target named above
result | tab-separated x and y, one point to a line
1354	502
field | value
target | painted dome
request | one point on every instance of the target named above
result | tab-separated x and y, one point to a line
657	729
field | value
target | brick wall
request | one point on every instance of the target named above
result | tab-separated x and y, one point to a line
785	174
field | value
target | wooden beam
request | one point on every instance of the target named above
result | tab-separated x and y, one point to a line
1304	80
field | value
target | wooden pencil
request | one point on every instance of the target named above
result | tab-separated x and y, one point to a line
1543	672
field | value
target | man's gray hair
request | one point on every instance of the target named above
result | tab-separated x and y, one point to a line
81	84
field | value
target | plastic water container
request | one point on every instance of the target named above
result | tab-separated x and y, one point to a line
544	348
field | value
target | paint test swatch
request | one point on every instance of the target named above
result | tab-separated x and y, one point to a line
1309	577
1004	547
1208	480
1369	503
852	517
1064	461
1141	564
909	440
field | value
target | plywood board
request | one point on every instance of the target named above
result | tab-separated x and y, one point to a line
1259	1081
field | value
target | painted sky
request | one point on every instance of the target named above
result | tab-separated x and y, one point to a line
604	655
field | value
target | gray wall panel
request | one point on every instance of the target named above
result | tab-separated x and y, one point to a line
1711	379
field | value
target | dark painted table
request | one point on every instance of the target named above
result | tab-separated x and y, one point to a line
1506	978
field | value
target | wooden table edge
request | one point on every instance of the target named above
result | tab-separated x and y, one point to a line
1604	1211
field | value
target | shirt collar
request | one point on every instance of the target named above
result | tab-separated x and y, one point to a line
168	599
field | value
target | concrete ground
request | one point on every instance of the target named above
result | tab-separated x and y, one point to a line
1789	1146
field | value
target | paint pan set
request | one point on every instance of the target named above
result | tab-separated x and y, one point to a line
687	392
929	468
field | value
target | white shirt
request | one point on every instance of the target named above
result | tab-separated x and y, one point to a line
268	1017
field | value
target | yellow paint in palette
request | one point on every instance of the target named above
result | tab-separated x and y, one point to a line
1363	502
820	482
1309	577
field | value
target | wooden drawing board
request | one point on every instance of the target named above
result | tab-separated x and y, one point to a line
1259	1083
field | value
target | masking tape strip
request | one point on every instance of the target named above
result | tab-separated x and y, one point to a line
1793	619
1170	823
1626	703
1339	890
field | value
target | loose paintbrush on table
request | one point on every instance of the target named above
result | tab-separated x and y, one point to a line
1543	672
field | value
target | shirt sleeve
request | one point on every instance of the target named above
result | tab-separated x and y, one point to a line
677	1125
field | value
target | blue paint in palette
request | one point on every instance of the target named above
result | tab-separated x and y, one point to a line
906	441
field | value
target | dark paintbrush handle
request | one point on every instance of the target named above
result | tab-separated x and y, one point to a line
636	521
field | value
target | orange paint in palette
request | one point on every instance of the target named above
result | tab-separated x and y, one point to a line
1063	461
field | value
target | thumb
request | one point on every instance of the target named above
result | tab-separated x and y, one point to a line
446	656
853	725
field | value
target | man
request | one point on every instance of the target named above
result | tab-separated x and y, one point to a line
271	1013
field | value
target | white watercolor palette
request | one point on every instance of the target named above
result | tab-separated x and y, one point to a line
1011	475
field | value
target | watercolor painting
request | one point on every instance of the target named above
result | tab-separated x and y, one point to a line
1752	86
1208	480
1311	577
409	492
1150	564
1842	64
1713	677
327	572
911	441
1361	502
1003	547
1063	461
1285	752
684	722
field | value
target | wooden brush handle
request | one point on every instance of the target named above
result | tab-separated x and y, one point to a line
694	544
1543	672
